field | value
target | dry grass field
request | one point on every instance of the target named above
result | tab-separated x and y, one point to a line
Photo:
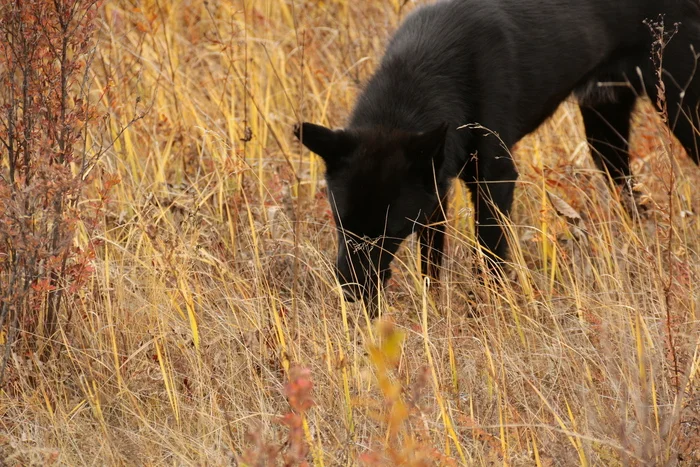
212	331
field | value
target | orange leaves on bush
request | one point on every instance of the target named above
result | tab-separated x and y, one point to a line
298	393
402	444
298	389
44	112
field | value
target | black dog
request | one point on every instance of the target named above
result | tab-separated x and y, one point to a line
504	65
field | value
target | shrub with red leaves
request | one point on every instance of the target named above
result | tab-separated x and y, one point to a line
45	48
296	451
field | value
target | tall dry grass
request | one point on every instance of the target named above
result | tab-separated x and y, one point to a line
214	279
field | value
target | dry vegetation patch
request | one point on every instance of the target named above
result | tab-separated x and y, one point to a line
213	282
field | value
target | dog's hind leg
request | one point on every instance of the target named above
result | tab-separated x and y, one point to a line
687	128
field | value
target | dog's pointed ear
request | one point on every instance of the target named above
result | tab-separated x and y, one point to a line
332	145
428	147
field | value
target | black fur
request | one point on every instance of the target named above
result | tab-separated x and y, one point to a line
504	65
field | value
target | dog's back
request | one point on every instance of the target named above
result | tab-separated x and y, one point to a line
445	53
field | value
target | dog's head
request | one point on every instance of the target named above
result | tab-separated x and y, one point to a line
380	184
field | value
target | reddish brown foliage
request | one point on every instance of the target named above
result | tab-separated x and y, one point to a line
44	116
298	392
